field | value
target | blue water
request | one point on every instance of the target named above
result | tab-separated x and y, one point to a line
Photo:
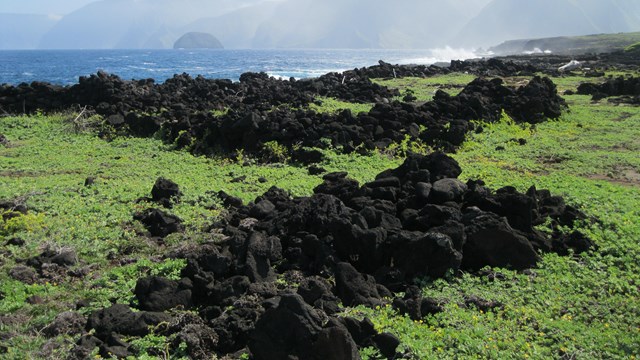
65	66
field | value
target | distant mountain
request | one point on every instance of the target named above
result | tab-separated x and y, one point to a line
518	19
264	23
133	23
237	29
570	45
197	40
23	31
400	24
370	24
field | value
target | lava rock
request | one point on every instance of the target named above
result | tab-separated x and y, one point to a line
66	323
160	294
491	241
120	319
354	288
288	330
165	192
158	222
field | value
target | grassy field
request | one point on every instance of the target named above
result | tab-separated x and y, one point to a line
575	307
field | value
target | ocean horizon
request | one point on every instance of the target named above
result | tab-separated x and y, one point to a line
64	67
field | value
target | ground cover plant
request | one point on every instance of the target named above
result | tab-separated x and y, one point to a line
577	307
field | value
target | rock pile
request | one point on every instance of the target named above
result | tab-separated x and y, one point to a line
442	122
627	88
274	286
260	109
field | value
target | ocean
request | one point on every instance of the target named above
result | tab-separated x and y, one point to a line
64	67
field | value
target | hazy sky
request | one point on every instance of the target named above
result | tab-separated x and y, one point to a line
59	7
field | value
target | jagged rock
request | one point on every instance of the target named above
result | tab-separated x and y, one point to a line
413	221
449	189
387	343
354	288
294	328
181	108
120	319
165	192
158	222
619	86
160	294
67	323
491	241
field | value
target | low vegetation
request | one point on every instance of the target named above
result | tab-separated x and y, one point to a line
575	307
423	89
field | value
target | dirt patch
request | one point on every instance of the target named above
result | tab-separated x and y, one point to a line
553	159
34	174
625	177
624	116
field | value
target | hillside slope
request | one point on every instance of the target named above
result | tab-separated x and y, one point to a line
518	19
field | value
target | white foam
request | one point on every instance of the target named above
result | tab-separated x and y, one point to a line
536	51
301	73
445	54
278	77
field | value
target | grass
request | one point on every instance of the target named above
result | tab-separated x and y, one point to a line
576	307
331	106
46	166
425	88
634	48
584	307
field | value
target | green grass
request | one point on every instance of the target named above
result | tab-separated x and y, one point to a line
46	166
576	307
584	307
331	106
425	88
634	48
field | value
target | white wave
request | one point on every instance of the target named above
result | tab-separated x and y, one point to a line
279	77
301	73
445	54
536	51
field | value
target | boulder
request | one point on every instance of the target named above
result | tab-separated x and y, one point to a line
120	319
160	294
354	288
165	192
290	329
492	242
158	222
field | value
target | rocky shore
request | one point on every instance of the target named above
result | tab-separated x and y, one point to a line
219	116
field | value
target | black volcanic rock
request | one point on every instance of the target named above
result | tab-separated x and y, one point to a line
275	281
180	109
197	40
628	87
165	192
158	222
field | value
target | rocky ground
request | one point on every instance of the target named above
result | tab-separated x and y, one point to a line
347	244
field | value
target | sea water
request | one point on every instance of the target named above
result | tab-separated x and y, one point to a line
64	67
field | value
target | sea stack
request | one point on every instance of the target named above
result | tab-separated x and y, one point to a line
198	40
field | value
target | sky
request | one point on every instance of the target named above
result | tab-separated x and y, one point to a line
45	7
391	24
